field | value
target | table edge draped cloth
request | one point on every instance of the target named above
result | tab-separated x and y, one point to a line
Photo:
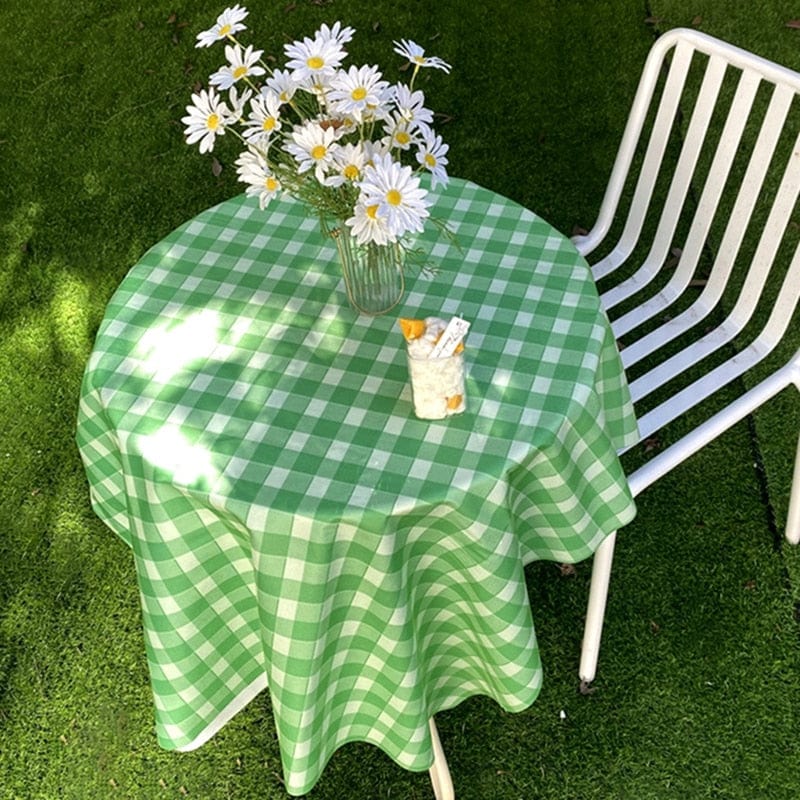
294	526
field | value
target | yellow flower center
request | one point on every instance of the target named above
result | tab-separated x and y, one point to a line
239	72
372	211
351	172
359	93
269	124
402	137
212	123
284	96
270	184
315	62
224	30
393	197
430	160
419	60
319	151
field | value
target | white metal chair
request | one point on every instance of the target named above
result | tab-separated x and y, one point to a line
714	129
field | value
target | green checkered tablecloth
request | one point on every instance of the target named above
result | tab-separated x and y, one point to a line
295	526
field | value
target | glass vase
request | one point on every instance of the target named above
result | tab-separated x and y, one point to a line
373	274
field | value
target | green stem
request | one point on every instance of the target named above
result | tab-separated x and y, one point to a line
252	85
413	77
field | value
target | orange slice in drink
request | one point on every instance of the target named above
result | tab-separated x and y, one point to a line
412	328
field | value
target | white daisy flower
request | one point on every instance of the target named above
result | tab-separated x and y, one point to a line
249	165
264	118
367	226
416	55
380	111
431	155
318	85
411	105
206	119
241	64
372	149
228	23
349	161
357	90
313	147
252	169
397	191
336	33
313	61
282	84
400	134
238	103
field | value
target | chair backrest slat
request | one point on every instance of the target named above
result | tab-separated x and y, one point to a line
684	170
741	314
718	173
723	374
701	389
737	108
783	307
657	145
753	179
722	269
731	369
770	240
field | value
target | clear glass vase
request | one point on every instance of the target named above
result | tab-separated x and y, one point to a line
373	274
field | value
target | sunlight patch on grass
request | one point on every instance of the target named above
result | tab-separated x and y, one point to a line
70	314
29	342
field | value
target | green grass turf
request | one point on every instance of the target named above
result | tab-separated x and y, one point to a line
699	681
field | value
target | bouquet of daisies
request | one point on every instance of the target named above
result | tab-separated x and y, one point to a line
341	139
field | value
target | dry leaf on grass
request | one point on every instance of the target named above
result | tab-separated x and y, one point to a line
651	443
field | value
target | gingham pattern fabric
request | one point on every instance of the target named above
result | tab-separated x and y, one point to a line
294	525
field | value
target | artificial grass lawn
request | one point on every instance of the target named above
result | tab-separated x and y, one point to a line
699	676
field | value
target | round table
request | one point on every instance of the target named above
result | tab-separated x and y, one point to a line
294	526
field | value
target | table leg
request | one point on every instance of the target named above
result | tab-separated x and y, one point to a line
439	772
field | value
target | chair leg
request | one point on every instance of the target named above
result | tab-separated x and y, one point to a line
440	772
598	592
793	518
